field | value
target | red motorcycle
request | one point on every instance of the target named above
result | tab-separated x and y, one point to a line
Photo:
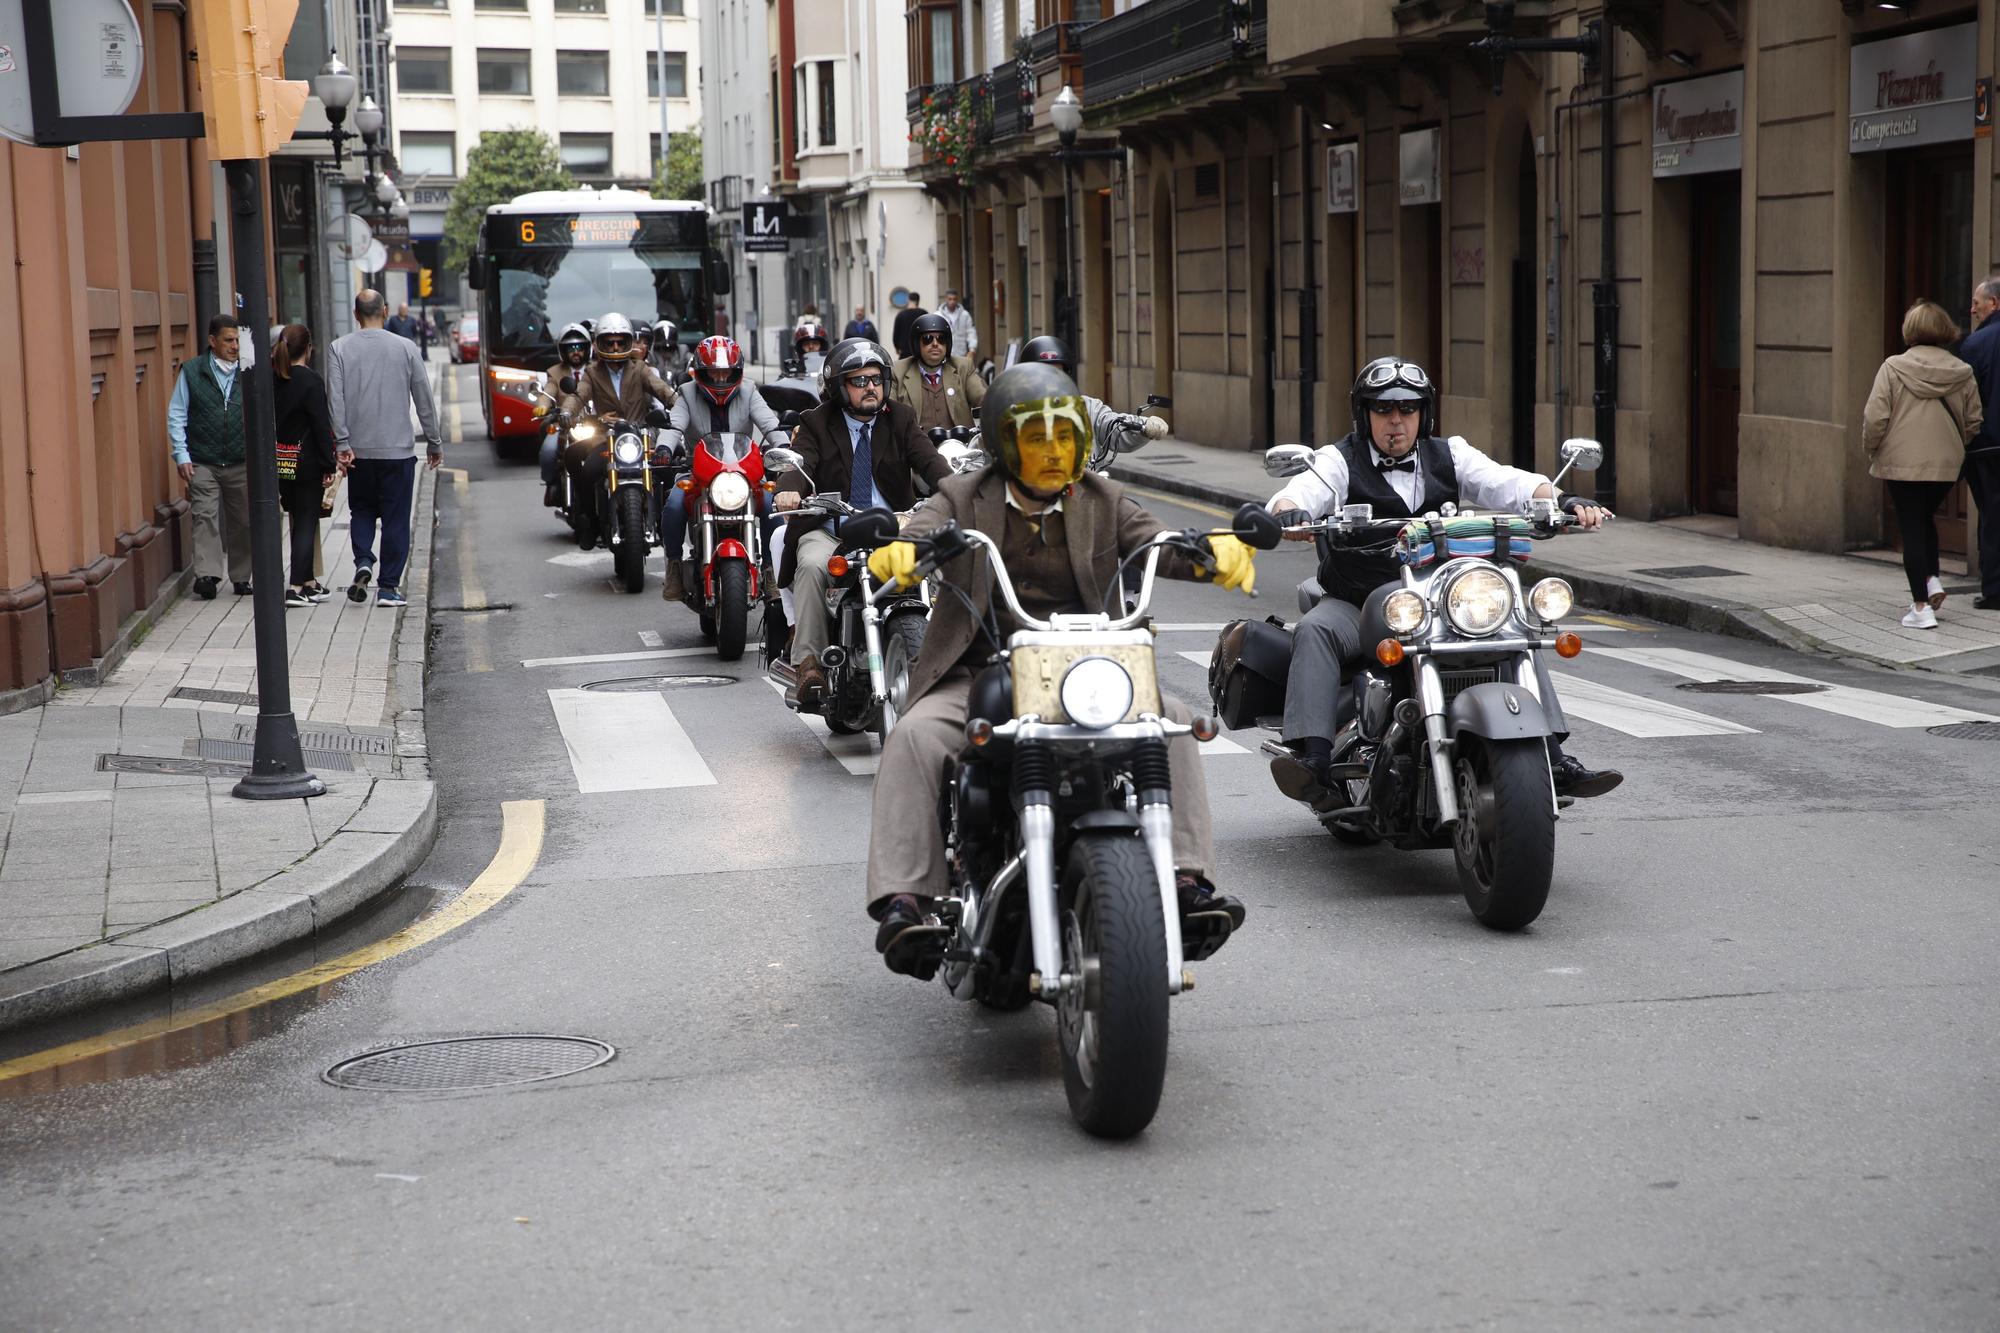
725	497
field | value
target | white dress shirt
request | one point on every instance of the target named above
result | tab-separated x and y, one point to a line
1482	483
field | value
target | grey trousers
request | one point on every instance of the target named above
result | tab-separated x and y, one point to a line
1329	646
905	847
219	498
809	593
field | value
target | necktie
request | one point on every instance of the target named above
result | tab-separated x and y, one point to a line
932	377
861	486
1405	465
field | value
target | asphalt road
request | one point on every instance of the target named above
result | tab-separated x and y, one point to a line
1741	1073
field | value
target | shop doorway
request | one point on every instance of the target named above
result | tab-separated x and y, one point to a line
1716	352
1527	306
1928	253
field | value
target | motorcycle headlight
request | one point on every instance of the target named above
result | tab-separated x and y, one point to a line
1096	692
584	431
628	451
1552	599
1404	612
1479	601
729	491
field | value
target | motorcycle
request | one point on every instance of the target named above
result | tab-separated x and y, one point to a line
623	513
725	495
876	631
1444	742
1058	833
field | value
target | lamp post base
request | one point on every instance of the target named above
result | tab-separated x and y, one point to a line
278	787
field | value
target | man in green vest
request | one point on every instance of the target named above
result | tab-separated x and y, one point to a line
205	429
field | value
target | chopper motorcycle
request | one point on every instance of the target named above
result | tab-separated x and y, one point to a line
1444	739
620	510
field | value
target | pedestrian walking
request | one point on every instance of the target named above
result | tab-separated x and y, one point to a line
205	432
1982	457
374	378
307	463
964	333
899	332
401	324
1922	412
861	326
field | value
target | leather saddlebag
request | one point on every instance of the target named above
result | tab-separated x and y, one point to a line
1246	676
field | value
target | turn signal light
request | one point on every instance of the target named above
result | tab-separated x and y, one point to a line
1568	645
1204	729
837	566
1389	653
978	731
685	483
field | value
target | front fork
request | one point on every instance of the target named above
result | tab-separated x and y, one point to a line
1430	696
871	638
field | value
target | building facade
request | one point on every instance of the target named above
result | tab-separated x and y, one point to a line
1277	190
740	155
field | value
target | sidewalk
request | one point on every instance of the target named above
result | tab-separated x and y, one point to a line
1840	605
125	864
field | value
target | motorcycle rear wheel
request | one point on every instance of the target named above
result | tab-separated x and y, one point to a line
1505	842
732	608
630	556
1112	1030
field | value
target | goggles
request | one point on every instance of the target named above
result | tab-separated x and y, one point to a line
1396	372
1396	407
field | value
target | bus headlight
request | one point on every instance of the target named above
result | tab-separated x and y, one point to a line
508	375
1096	692
628	451
1552	599
1404	612
729	491
1479	601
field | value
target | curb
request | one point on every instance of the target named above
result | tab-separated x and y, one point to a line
386	839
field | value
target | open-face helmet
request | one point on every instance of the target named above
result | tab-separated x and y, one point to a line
933	324
718	368
613	339
1049	350
1036	428
573	339
664	334
808	331
1390	379
848	356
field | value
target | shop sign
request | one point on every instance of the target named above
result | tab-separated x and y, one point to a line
766	224
1914	90
1421	178
392	231
430	196
291	206
1698	125
1343	177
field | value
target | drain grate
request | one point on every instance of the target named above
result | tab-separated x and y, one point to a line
160	766
340	742
1692	572
237	697
245	752
1968	731
1751	687
458	1064
653	684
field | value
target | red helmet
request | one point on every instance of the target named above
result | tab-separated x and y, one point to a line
806	332
718	368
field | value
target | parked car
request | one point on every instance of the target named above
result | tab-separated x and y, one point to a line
465	339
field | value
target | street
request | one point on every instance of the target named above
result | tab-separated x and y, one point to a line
1742	1070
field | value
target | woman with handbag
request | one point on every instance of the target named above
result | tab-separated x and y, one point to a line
1919	416
306	463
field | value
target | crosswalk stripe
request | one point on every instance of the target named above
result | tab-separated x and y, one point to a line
626	742
858	753
1636	715
1886	710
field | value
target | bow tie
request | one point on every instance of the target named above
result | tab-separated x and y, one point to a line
1397	464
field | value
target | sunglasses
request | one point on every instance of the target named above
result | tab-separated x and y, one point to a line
864	381
930	338
1396	409
1394	372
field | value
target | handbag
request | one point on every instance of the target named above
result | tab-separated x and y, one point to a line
326	497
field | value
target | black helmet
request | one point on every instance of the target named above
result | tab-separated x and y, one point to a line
930	323
849	355
1049	350
642	333
1027	392
1390	379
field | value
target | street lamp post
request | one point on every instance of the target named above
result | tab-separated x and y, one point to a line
1066	114
335	86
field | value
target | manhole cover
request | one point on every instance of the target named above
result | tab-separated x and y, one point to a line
1691	572
245	752
165	767
342	742
456	1064
237	697
1968	731
1750	687
654	684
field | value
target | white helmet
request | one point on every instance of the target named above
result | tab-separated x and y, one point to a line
614	339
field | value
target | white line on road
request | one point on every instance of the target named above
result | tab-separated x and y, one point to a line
1215	628
1636	715
858	753
1885	710
592	659
626	742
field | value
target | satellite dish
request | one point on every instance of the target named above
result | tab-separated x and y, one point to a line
100	56
374	257
350	237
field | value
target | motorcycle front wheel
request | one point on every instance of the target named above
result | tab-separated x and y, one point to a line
902	640
732	608
1112	1029
631	554
1505	842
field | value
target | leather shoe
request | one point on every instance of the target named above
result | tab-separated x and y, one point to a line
809	681
1573	779
204	587
1299	777
242	587
1981	602
910	942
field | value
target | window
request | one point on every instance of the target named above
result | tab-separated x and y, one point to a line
677	74
422	4
944	45
777	125
587	154
509	6
423	69
429	153
824	69
583	74
674	8
579	6
504	73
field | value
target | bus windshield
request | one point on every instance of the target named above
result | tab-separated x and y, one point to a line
552	270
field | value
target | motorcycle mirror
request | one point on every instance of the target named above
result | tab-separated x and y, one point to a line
1579	452
1159	400
870	527
567	384
788	420
1257	526
658	419
1358	513
779	461
1287	460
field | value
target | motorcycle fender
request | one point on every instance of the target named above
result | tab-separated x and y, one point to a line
1112	821
729	548
1498	711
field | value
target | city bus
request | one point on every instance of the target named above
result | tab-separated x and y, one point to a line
553	257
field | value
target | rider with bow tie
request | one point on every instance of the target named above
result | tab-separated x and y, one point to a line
1394	461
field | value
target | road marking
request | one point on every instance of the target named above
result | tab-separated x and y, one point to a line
592	659
1886	710
651	638
859	753
1195	628
599	556
471	594
521	829
1181	500
626	742
1636	715
1614	623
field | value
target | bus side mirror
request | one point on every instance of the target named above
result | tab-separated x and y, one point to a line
475	273
718	276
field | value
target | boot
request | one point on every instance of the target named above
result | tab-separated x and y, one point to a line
671	587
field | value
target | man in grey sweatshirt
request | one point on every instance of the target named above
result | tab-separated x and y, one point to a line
372	379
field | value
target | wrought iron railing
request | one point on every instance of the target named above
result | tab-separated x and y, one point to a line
1010	90
913	101
1164	40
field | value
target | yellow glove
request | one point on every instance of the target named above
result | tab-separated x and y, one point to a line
895	563
1235	565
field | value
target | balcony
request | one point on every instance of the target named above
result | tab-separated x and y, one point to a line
1165	40
1010	94
949	122
913	101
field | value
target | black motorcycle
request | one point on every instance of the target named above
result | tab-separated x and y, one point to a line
614	482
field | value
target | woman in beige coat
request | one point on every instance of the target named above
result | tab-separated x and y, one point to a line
1920	414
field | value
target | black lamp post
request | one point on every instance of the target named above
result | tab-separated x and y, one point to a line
1066	114
335	86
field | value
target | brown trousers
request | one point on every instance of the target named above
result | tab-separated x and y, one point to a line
905	847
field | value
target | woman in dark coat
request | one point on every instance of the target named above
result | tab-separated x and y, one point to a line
305	452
